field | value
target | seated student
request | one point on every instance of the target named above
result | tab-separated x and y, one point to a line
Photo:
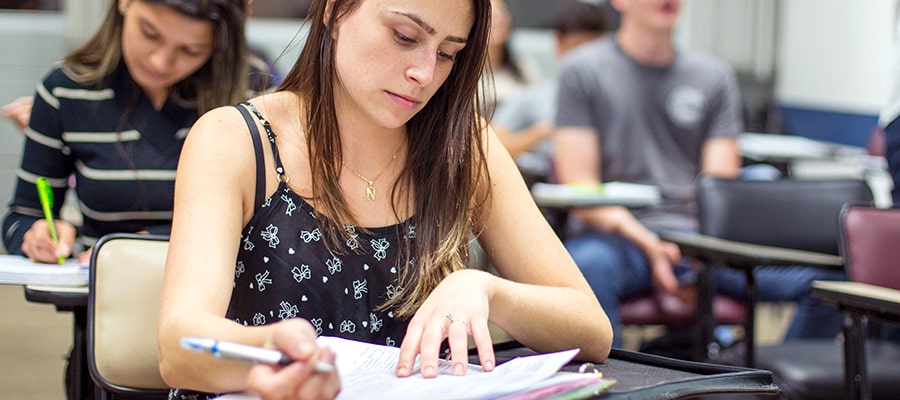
634	107
524	121
114	114
504	74
372	169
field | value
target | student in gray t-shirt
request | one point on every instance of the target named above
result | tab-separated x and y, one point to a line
524	121
633	107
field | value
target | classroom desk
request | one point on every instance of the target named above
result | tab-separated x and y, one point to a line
777	148
859	300
638	375
647	376
744	257
74	300
797	157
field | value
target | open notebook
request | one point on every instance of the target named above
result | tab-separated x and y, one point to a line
367	372
20	270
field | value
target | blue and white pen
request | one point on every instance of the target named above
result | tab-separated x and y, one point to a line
243	352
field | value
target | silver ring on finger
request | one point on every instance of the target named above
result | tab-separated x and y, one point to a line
452	320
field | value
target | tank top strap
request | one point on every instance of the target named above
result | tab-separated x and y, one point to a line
279	167
260	160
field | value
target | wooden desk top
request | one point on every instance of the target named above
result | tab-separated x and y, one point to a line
878	301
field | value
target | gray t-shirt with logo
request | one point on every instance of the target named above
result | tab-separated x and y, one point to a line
652	121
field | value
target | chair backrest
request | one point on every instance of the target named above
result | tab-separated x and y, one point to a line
796	214
126	275
870	244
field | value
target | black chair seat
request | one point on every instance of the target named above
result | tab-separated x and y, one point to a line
814	369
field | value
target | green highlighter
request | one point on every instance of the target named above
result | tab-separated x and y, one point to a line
45	194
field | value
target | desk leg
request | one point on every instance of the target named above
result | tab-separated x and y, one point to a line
856	382
706	320
750	323
80	383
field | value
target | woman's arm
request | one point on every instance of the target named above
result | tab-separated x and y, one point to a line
214	199
210	189
540	297
44	155
543	301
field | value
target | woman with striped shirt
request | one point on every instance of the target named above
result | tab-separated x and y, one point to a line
109	121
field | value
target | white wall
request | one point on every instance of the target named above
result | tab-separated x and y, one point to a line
834	54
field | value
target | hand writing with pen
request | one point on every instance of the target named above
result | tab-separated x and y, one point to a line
39	246
296	338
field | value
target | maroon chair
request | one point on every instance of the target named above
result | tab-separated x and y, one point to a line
815	369
660	308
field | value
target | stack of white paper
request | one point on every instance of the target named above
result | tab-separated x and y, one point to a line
367	372
20	270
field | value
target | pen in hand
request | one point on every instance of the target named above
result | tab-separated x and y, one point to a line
245	353
45	195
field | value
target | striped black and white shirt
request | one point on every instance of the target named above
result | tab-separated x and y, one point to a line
106	142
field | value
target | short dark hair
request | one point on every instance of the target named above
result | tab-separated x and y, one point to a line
579	16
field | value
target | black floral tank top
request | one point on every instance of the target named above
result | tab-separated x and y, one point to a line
285	270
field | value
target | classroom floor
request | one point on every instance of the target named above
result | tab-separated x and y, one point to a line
34	343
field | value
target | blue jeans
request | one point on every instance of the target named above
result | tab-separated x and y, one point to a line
617	269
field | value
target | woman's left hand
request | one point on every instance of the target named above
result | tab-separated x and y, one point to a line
456	308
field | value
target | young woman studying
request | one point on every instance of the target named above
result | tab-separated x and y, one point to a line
372	169
114	114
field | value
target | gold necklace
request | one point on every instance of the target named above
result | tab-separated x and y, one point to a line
370	189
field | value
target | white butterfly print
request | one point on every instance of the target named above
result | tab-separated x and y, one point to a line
334	265
317	323
392	291
380	245
239	269
271	235
390	342
259	319
348	326
302	272
288	310
248	245
291	207
262	279
359	287
374	323
353	238
308	236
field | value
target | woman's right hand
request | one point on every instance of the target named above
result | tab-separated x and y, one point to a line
298	380
39	247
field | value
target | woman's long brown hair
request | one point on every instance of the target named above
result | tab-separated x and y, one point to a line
445	164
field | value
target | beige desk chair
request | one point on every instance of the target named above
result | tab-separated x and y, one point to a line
126	275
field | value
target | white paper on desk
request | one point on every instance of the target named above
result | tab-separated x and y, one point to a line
20	270
367	372
624	191
761	146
